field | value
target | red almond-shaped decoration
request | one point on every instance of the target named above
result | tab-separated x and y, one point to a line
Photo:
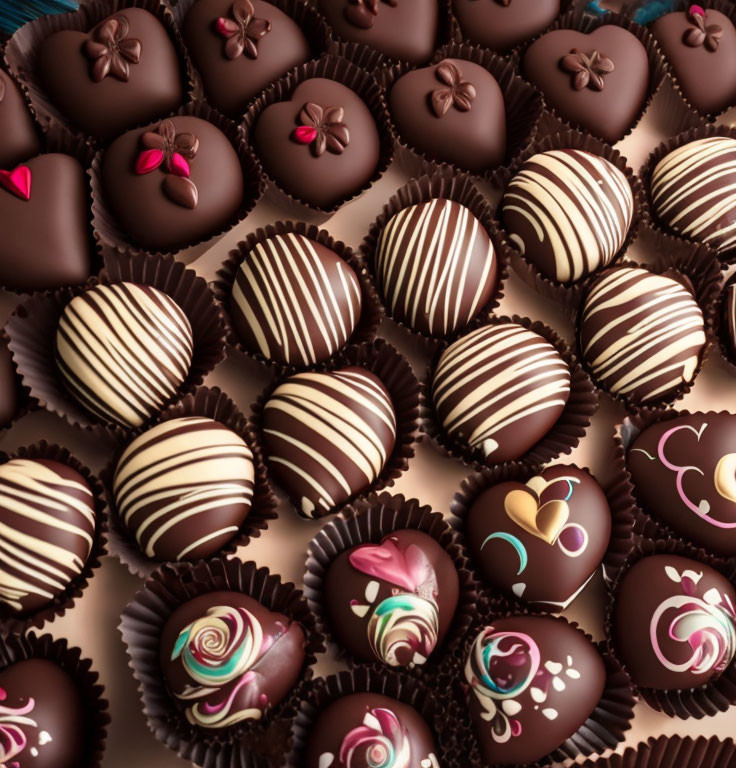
178	165
305	134
148	161
181	191
17	182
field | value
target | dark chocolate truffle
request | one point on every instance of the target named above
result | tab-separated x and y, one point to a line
41	717
700	45
322	145
47	519
294	300
172	183
435	267
684	473
542	540
598	80
694	191
392	602
452	112
641	334
328	436
500	389
123	72
19	138
239	47
226	658
729	318
673	622
569	212
123	350
8	387
184	488
45	240
534	681
365	730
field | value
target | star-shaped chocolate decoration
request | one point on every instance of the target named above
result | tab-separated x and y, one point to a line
458	93
707	35
587	69
322	128
111	50
362	13
243	31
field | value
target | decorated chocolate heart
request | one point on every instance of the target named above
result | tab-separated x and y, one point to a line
545	521
19	138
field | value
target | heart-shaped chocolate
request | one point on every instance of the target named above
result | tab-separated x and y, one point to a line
124	72
598	80
18	137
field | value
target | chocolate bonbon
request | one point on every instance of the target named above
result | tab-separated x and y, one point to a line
20	140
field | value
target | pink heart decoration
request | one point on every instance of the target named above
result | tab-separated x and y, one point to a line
410	569
17	182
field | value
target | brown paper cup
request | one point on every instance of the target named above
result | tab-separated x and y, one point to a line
22	403
726	345
671	751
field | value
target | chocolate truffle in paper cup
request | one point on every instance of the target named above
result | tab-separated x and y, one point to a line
20	138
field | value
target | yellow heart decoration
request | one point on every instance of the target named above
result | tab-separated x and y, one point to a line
545	522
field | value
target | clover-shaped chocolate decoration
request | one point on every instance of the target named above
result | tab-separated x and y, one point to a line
242	31
362	13
458	93
707	35
322	128
587	69
111	50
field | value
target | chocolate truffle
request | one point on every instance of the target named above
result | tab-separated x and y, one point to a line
641	334
322	145
8	387
542	540
435	267
452	112
684	474
673	622
597	80
123	72
693	191
534	681
499	390
700	45
47	518
184	488
20	140
392	602
41	717
368	729
45	240
400	29
172	183
294	300
729	317
123	350
569	212
240	47
328	436
226	658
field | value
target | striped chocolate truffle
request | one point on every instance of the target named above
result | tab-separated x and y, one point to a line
435	267
641	334
500	389
184	487
569	212
123	350
694	191
294	300
47	528
328	436
729	318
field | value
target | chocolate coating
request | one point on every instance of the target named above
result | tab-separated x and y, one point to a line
452	112
19	138
673	622
542	540
546	678
394	601
8	387
227	659
729	317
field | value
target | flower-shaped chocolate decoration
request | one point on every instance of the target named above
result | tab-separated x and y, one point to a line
322	128
243	31
362	13
587	69
111	50
458	93
707	35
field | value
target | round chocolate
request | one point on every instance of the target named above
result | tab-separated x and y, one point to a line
392	602
20	140
569	212
322	145
673	622
172	183
693	191
123	72
184	488
369	730
294	300
534	681
226	658
47	520
452	112
41	717
543	540
328	436
729	317
684	473
435	267
123	350
641	334
8	387
500	389
239	47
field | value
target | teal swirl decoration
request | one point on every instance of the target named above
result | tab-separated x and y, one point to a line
403	629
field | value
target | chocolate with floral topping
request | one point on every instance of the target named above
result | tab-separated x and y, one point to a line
18	138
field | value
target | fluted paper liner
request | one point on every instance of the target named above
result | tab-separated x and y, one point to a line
24	402
673	752
721	324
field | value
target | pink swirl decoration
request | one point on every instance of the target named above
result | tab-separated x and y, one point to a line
379	742
12	736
